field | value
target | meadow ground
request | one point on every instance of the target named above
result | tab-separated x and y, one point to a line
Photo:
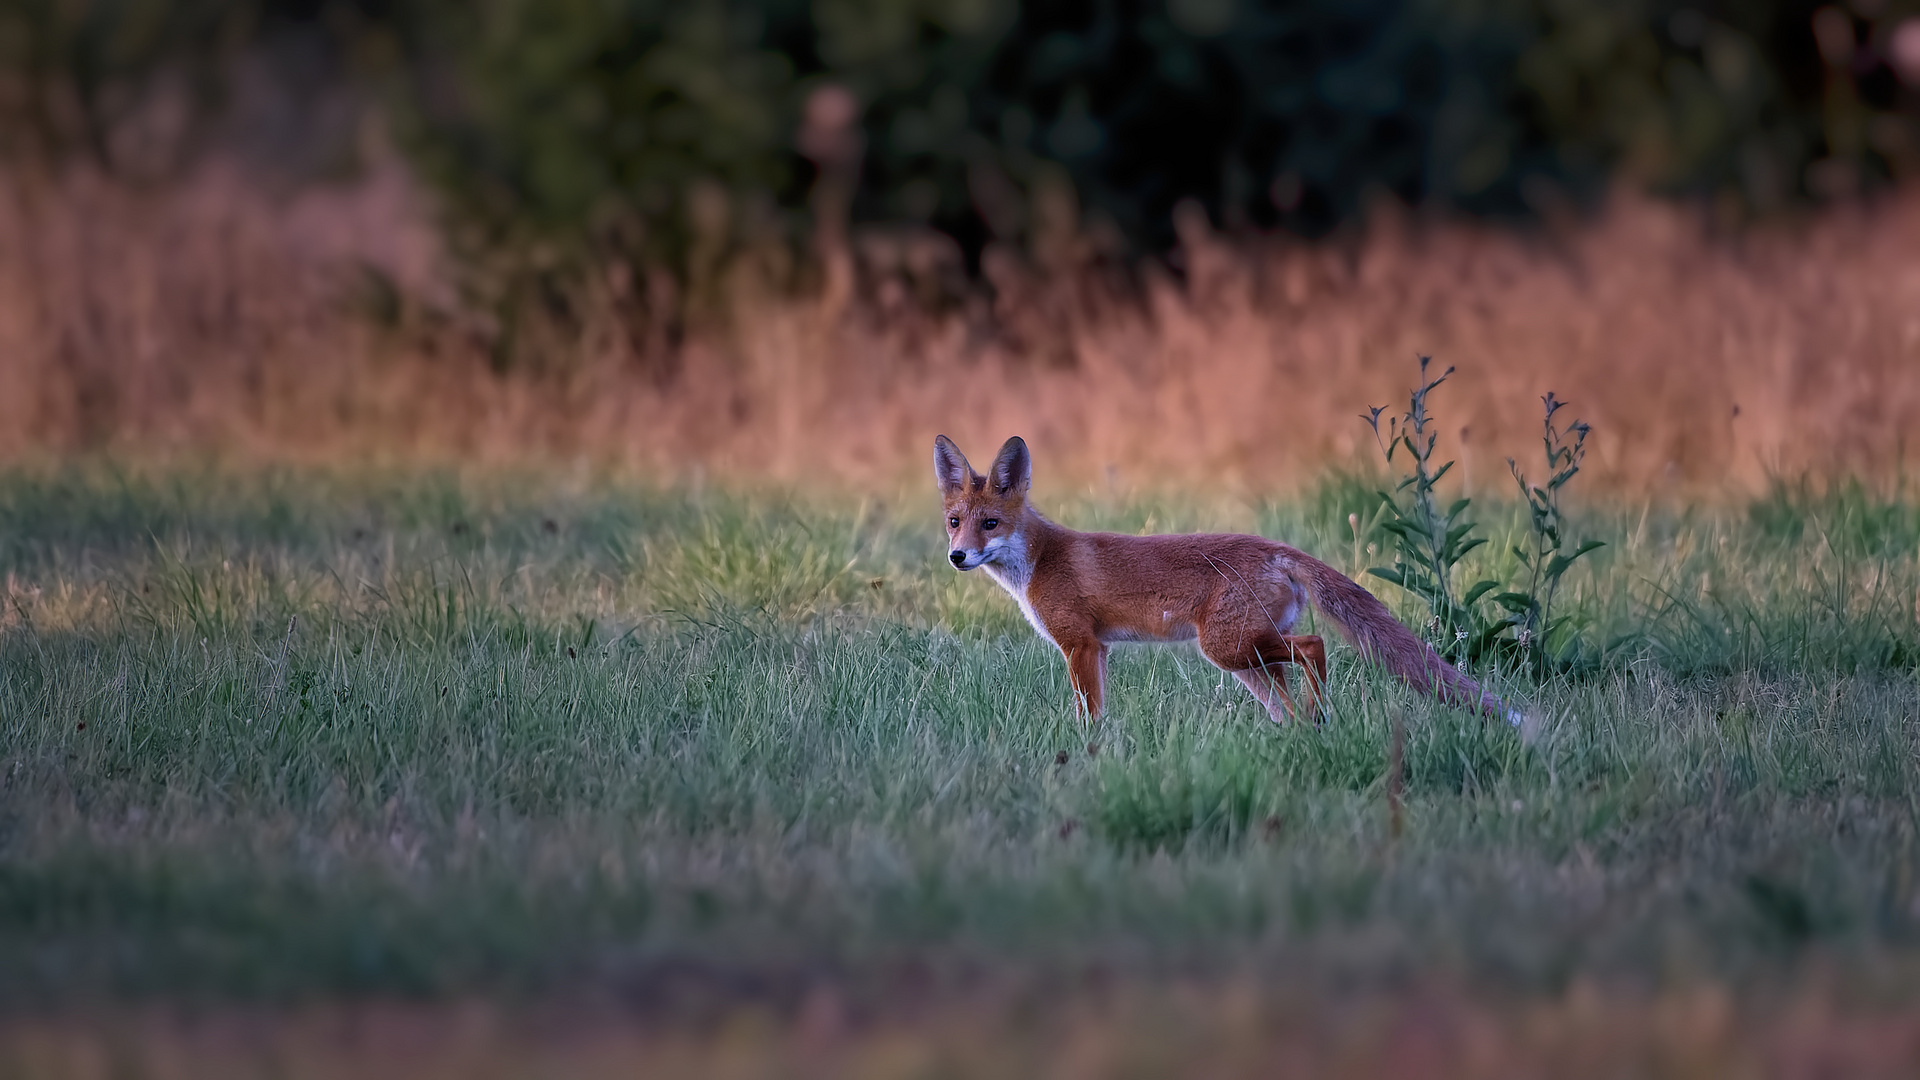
316	771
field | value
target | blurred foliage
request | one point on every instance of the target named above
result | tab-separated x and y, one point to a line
663	133
77	78
570	114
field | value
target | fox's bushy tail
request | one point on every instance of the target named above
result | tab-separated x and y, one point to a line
1372	630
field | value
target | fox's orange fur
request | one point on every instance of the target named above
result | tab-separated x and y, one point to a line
1235	596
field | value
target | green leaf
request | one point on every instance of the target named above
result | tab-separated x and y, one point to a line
1517	602
1411	577
1557	566
1480	589
1388	575
1469	546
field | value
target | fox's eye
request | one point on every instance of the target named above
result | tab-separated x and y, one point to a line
990	523
953	523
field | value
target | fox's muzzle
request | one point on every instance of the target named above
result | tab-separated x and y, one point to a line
958	558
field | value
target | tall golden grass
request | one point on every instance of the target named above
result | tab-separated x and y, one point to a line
222	316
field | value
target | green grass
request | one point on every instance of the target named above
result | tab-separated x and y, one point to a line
289	733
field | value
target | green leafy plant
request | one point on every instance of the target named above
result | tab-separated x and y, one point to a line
1481	622
1547	556
1429	543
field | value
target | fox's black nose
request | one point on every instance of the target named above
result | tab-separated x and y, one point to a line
958	558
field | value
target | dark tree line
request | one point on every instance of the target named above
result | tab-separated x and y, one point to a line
615	124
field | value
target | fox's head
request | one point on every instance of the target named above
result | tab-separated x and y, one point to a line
984	513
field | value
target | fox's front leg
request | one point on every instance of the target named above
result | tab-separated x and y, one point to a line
1087	671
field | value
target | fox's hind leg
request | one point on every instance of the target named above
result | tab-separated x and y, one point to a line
1257	660
1310	653
1269	687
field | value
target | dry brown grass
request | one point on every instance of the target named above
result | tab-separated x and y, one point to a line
1178	1030
222	317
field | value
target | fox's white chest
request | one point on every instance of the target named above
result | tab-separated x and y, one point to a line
1016	586
1009	567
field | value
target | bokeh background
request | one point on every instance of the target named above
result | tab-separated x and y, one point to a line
1169	241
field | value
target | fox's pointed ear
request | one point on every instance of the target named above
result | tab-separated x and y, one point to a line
950	468
1013	470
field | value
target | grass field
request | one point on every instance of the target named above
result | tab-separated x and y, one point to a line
279	740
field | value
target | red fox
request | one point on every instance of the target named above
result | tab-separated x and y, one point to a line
1236	596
